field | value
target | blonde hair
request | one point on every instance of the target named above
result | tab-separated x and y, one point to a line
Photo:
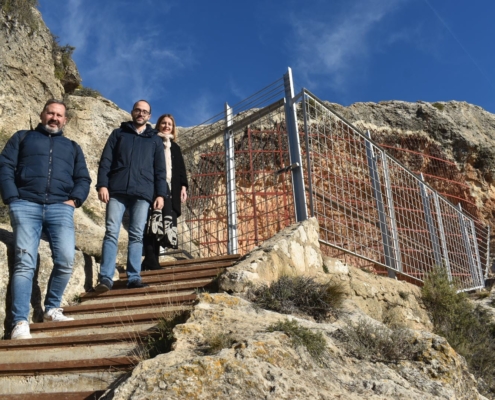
174	128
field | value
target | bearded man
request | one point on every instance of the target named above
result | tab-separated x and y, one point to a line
131	176
43	178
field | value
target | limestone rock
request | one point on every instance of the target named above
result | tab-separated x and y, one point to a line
293	251
27	74
260	364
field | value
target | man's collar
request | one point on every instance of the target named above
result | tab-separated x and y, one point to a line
139	131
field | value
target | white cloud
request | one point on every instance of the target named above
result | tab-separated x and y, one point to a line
336	47
123	57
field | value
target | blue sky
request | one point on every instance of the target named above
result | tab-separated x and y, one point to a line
189	57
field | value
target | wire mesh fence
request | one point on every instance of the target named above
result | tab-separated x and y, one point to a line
372	207
263	198
372	210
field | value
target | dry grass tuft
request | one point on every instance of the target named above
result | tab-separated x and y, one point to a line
299	294
216	341
300	336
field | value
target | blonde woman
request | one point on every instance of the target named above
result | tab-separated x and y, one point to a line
177	184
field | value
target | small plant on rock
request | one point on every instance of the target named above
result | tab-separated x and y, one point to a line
438	106
480	295
468	328
403	295
374	342
22	11
313	342
299	294
216	341
86	92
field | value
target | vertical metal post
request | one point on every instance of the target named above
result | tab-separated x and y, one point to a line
232	246
391	211
476	255
443	239
377	192
467	245
294	149
429	223
308	155
487	251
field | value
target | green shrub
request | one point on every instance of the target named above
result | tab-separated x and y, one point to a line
214	342
21	11
299	294
438	106
62	56
313	342
86	92
403	295
468	328
480	295
377	343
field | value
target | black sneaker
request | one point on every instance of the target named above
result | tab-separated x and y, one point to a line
136	285
101	288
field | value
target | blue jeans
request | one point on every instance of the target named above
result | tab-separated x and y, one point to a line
138	210
28	221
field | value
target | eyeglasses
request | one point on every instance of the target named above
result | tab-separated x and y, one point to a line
139	111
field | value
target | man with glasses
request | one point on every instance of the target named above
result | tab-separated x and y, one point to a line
43	178
131	176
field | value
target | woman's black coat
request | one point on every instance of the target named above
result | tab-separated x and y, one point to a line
179	176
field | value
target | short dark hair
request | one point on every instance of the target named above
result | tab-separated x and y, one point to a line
134	106
54	101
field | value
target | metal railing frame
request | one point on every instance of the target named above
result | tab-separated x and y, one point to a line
386	221
430	204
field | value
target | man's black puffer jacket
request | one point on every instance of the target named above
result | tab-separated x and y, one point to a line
132	164
44	168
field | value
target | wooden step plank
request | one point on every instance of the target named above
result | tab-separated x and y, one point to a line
106	321
72	341
206	260
191	268
87	395
49	367
167	288
128	304
166	278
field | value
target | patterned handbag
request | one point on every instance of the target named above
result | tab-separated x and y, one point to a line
154	226
169	239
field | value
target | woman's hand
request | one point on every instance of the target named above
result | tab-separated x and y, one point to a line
183	194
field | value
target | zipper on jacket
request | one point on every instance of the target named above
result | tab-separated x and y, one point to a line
131	159
50	168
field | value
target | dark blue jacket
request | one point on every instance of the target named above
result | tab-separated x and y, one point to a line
44	168
132	164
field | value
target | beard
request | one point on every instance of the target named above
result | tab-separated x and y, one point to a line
139	123
52	130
